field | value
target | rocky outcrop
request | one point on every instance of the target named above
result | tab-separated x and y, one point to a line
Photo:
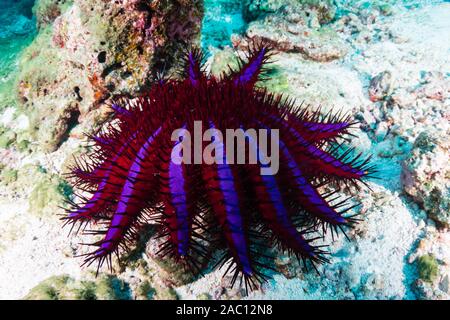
46	11
294	26
322	11
381	86
95	50
426	175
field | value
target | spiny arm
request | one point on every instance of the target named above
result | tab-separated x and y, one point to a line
278	218
251	70
193	69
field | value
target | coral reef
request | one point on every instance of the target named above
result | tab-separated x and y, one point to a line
318	11
368	58
222	19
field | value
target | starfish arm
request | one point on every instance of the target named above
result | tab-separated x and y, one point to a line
305	124
112	176
309	197
318	131
276	216
178	208
91	208
310	156
250	71
224	198
193	66
324	163
129	206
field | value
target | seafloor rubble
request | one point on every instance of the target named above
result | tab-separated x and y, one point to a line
385	62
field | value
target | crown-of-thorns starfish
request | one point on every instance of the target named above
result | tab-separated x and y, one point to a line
201	208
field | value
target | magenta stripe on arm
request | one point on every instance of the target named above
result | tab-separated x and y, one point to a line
232	210
194	69
177	185
251	71
313	199
322	155
282	218
122	217
99	194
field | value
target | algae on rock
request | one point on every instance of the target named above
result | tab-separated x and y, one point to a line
17	30
46	11
428	268
7	137
89	51
8	176
48	195
66	288
145	291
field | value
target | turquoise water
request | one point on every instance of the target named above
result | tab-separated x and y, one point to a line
222	19
17	29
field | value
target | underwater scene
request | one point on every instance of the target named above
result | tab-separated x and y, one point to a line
93	205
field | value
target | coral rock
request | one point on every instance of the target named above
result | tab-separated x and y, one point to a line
95	49
426	174
294	26
381	86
